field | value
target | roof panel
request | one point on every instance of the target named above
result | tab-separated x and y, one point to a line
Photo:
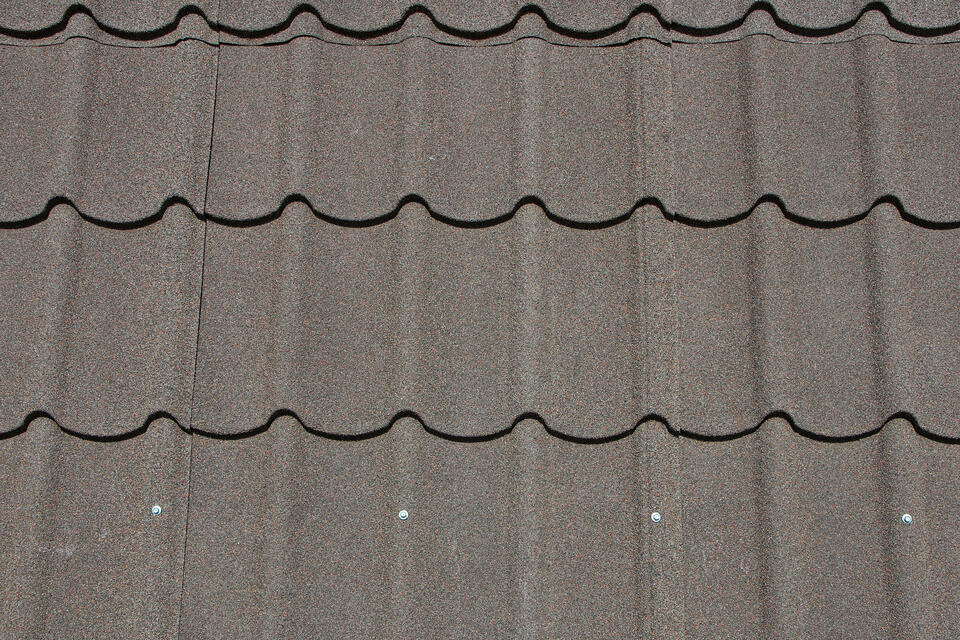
323	122
589	338
99	324
118	134
541	134
465	350
783	534
698	260
472	328
468	328
301	315
826	131
779	317
291	534
469	131
83	556
500	536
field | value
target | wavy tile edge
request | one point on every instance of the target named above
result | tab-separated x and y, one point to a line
669	25
529	200
485	437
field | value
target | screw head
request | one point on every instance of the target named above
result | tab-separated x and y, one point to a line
403	515
907	518
156	510
655	516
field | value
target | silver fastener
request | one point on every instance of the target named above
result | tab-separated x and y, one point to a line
907	518
403	515
655	516
156	510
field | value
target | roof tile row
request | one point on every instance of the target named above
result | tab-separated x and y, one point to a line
287	534
703	132
329	292
712	330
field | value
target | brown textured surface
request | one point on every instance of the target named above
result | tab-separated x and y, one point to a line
823	324
785	537
99	325
82	554
530	293
525	535
414	314
828	129
470	131
119	134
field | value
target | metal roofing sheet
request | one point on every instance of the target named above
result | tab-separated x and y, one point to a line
526	293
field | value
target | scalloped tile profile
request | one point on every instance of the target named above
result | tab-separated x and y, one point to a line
705	131
589	330
814	18
524	341
122	16
479	519
471	131
468	328
475	23
838	328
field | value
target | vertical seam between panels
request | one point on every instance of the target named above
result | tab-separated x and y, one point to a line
196	353
677	458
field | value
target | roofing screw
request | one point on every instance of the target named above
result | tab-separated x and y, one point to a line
907	518
655	516
403	515
156	510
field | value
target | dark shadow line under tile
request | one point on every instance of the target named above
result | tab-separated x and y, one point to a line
567	31
653	201
126	435
413	198
136	223
777	414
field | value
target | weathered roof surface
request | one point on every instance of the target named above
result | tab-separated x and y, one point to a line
587	264
117	134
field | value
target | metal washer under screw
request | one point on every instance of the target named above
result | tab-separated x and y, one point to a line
156	510
907	518
403	515
655	516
